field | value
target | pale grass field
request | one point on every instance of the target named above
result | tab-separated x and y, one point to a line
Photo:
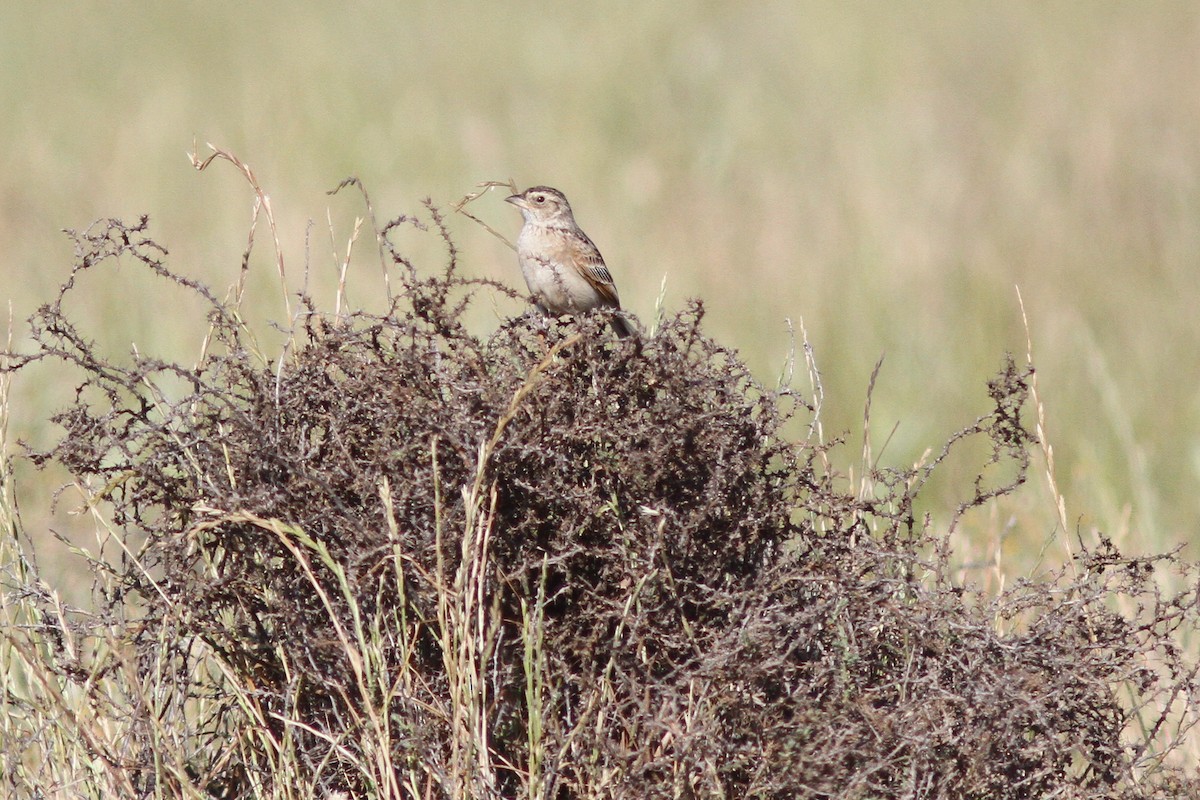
886	175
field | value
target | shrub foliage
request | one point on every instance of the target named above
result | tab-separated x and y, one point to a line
402	560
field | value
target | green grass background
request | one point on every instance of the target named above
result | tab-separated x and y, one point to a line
886	173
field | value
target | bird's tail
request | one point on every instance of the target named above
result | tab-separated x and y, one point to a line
621	326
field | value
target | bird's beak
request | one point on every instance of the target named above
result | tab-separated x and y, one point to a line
516	200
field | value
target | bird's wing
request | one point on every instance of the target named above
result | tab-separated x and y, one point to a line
594	270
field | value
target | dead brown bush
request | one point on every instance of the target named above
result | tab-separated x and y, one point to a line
402	560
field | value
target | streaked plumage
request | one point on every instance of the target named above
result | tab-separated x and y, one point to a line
563	268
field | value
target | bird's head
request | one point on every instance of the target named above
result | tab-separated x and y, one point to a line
541	204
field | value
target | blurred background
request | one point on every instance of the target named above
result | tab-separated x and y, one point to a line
885	174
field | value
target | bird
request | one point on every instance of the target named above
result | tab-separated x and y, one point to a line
563	268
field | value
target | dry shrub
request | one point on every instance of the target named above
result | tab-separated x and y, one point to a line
402	560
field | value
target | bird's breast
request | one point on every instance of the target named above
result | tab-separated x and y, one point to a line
551	274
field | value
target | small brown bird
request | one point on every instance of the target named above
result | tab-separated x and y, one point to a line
563	269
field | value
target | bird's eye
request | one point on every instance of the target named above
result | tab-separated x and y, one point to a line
539	198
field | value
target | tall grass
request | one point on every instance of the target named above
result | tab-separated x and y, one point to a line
386	556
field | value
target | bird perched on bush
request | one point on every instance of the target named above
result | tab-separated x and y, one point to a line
563	269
